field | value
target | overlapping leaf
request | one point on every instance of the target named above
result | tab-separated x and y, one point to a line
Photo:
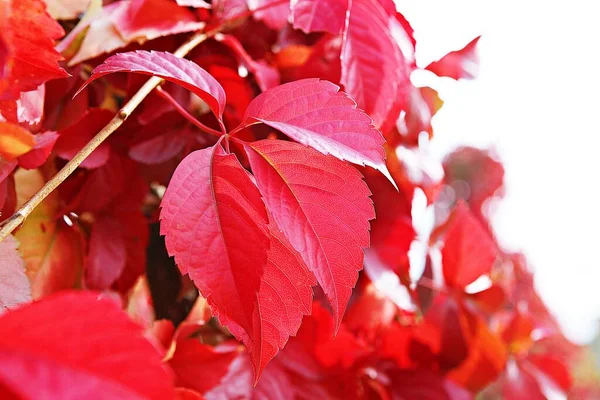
324	211
317	114
216	228
374	71
285	295
169	67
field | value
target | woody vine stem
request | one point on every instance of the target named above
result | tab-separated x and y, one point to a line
22	213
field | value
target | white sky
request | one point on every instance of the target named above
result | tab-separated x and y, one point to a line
535	101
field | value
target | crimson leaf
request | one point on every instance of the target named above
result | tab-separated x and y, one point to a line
285	296
373	68
317	114
72	345
215	225
324	211
167	66
469	251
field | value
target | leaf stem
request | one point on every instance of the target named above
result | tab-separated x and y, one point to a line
189	117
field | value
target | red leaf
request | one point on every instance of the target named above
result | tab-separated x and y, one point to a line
317	114
28	110
266	76
200	366
100	187
55	349
324	211
519	384
374	71
27	41
144	20
37	156
236	384
319	15
167	66
14	284
75	137
468	252
285	296
113	26
553	369
459	64
107	255
216	228
392	232
160	148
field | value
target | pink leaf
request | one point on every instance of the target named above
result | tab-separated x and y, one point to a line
317	114
322	206
14	284
215	225
72	345
374	71
469	251
459	64
319	15
107	255
169	67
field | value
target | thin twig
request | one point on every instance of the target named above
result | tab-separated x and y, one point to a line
19	216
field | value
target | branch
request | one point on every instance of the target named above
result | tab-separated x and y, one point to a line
19	216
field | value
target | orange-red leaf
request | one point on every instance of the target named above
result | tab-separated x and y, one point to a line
14	141
27	43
